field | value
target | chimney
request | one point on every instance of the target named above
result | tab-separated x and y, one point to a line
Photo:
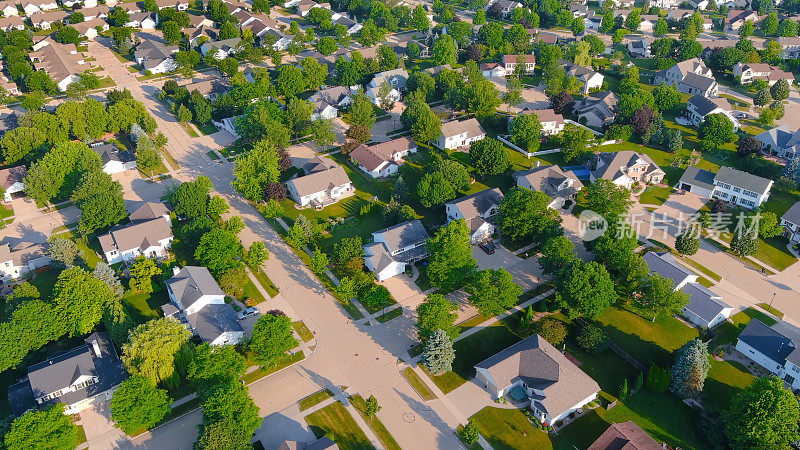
176	270
96	349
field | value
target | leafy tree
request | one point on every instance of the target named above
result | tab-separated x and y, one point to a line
63	251
745	243
219	250
228	30
362	112
444	50
659	295
322	132
272	338
450	262
493	291
20	142
152	348
574	141
394	212
768	225
231	406
763	97
214	366
690	369
319	261
780	90
622	393
171	31
688	242
22	293
660	28
290	81
81	298
525	130
138	405
591	338
552	330
47	428
192	200
641	120
427	126
615	250
633	20
585	289
434	189
100	200
254	170
470	433
558	253
489	157
438	354
142	272
763	415
33	101
347	249
298	115
524	214
256	255
372	406
561	102
436	312
607	199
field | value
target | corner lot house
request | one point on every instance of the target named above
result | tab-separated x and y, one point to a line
773	348
560	186
733	186
12	181
457	134
690	76
384	159
790	221
114	160
200	303
324	183
625	435
478	211
148	234
699	106
748	72
625	168
78	378
705	308
18	257
156	56
534	372
781	140
393	249
598	110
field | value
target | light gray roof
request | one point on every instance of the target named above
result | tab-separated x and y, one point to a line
191	283
665	265
149	211
793	214
225	44
743	180
454	127
154	50
698	177
615	161
320	180
777	137
477	204
373	156
703	302
138	235
403	235
213	320
20	251
548	178
705	105
698	81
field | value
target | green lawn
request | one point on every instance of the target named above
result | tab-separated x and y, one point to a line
266	282
773	251
336	422
143	307
392	314
6	211
285	361
771	310
645	340
655	195
724	381
507	429
375	424
314	399
303	331
418	384
213	155
45	281
251	294
726	332
88	254
207	128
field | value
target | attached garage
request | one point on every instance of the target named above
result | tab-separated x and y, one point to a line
697	181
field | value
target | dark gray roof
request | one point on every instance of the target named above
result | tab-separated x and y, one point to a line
213	320
403	235
779	136
793	214
698	177
477	204
665	265
704	105
191	283
524	360
743	180
776	342
698	81
110	152
149	211
703	302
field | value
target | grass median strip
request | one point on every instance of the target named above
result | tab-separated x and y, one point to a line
314	399
336	422
303	331
284	362
418	384
375	424
266	282
397	312
771	310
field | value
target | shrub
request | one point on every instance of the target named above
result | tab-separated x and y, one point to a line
552	330
591	338
470	433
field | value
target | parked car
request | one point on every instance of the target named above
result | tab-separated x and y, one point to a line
488	248
248	312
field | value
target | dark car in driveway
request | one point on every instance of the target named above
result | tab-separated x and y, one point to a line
487	247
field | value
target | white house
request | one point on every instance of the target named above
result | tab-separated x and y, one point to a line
456	134
149	234
396	79
552	123
510	63
200	303
12	181
221	49
780	140
79	378
18	257
478	211
493	70
534	373
328	101
393	249
384	159
144	20
590	80
9	8
639	48
748	72
773	347
324	183
733	186
690	76
700	106
113	159
705	308
156	56
790	221
560	186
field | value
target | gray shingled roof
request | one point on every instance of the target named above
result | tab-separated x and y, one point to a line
703	302
320	180
665	265
776	342
135	235
404	235
149	211
704	105
743	180
698	177
777	137
698	81
213	320
548	178
11	175
477	204
191	283
793	214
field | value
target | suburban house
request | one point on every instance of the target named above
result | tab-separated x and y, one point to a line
78	378
537	374
324	183
148	234
597	110
33	6
493	70
328	101
590	80
221	49
552	123
393	249
700	106
780	140
705	308
384	159
113	159
625	168
197	300
144	20
45	20
791	47
625	435
9	8
560	186
736	18
180	5
506	6
12	23
88	29
156	56
478	211
690	77
639	48
733	186
456	134
12	181
61	61
773	347
748	72
18	257
396	79
790	221
510	63
648	23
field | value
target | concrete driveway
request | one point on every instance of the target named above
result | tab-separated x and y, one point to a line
405	291
96	421
526	272
669	218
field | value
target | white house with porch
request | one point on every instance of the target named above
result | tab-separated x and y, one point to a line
478	211
149	234
324	183
393	249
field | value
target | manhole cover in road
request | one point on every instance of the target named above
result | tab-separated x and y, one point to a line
409	417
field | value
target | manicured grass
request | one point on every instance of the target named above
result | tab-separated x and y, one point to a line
265	281
207	129
190	130
509	429
143	307
655	195
252	293
472	322
472	350
303	331
284	362
336	422
418	384
773	251
314	399
375	424
6	211
725	379
645	340
87	253
166	154
81	435
397	312
213	155
771	310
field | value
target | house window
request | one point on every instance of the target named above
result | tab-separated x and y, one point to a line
795	369
788	378
736	189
